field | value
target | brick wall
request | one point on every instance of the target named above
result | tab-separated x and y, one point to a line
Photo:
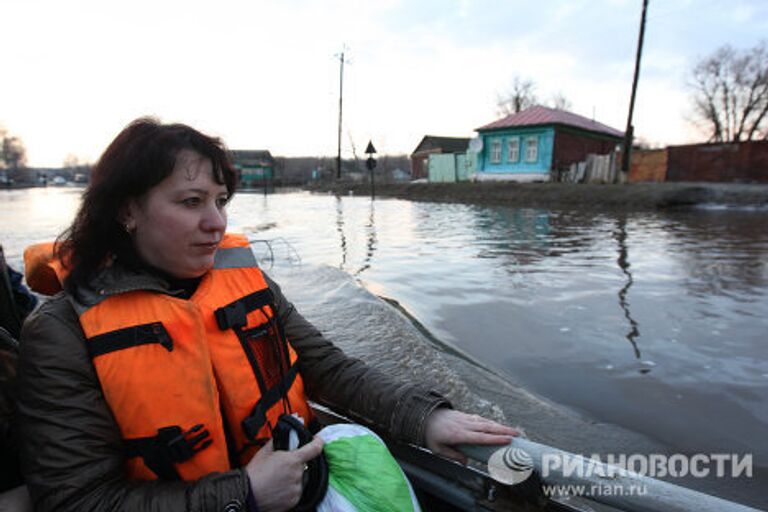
743	162
648	165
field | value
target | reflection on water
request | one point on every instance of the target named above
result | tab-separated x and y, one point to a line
34	215
370	245
621	238
553	299
340	229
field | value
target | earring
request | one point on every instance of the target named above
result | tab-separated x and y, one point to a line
128	228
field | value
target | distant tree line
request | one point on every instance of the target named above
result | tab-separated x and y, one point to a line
14	169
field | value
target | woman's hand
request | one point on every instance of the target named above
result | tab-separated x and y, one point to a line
446	427
276	476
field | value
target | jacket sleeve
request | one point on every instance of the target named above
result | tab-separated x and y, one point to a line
71	449
349	386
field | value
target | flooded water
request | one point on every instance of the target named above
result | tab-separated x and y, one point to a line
654	322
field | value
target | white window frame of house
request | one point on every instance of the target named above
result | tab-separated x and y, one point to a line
532	148
513	156
495	155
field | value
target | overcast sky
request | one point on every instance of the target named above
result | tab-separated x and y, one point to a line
264	75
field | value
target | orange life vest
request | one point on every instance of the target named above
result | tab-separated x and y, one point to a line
169	367
44	273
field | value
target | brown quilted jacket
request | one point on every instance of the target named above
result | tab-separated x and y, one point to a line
71	449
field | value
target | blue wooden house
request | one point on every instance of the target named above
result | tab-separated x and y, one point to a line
536	143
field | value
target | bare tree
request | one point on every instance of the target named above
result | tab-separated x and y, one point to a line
71	161
560	101
730	93
13	154
521	96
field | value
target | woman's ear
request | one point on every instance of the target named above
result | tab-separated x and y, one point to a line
127	216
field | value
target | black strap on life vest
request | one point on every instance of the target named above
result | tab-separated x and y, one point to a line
253	423
170	446
315	479
234	316
128	337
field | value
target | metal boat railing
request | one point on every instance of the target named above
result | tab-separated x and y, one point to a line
657	495
463	488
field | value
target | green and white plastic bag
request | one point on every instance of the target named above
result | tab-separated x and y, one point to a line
363	475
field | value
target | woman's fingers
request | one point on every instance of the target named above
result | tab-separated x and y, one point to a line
310	450
470	437
276	476
492	427
446	427
473	422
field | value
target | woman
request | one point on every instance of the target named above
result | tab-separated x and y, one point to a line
153	382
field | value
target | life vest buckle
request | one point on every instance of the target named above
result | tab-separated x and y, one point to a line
170	446
184	445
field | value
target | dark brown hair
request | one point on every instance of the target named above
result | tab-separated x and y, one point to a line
140	157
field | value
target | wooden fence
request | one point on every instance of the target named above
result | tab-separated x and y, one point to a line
595	169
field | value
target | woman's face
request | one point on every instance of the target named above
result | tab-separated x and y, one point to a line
178	225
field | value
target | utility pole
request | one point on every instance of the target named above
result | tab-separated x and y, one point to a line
629	134
341	96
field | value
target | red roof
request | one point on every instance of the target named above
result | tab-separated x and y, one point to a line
538	115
